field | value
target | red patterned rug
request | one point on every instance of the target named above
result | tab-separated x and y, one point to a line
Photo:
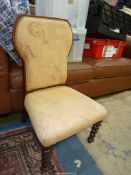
20	153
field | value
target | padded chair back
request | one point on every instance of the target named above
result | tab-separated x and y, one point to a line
44	45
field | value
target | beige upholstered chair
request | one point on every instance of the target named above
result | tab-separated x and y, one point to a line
56	111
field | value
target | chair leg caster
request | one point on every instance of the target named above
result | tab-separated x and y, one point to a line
93	132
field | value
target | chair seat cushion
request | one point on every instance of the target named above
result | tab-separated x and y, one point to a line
59	112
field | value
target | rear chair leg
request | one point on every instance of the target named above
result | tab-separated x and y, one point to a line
93	132
24	116
46	160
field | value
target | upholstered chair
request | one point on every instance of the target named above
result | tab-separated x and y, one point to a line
56	111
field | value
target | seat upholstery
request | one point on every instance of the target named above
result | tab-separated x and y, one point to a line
59	112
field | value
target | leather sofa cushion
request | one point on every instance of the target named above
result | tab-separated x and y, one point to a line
98	87
15	76
79	72
108	68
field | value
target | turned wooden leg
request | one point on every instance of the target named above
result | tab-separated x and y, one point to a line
46	160
24	116
93	132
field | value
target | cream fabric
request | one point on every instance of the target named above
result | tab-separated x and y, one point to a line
44	45
59	112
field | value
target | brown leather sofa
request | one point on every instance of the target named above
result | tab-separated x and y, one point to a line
91	77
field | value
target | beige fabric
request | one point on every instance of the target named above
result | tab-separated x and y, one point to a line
59	112
44	45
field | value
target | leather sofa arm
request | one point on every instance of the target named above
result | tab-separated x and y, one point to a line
5	96
127	50
4	72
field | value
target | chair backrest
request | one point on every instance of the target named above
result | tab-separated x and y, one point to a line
44	45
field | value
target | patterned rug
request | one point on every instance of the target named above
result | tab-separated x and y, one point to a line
20	153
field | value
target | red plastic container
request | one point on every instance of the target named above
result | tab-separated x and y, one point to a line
103	48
